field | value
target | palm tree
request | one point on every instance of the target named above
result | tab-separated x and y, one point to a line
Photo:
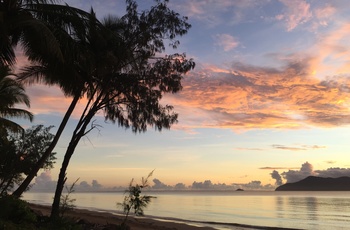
71	24
19	24
11	93
34	24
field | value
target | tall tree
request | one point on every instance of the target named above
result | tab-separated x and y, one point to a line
67	24
127	77
11	94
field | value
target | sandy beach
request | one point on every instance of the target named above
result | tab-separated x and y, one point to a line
102	219
105	218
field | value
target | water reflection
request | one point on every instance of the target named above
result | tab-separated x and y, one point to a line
311	205
304	210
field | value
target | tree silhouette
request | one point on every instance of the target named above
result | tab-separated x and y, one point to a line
11	93
19	153
66	23
126	77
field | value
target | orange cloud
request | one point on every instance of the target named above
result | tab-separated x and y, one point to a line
257	97
50	100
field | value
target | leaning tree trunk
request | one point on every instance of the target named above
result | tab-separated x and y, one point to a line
77	135
19	191
55	211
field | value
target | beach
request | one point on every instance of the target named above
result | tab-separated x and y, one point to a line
101	219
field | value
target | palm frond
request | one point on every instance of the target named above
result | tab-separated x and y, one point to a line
11	92
16	113
10	126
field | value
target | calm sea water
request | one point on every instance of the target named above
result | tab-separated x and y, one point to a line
301	210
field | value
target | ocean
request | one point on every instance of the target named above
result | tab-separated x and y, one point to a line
224	209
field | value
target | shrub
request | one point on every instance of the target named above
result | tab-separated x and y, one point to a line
15	210
134	201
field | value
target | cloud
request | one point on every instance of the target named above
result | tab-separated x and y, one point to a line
296	12
208	185
246	96
288	148
213	13
306	170
275	175
274	168
253	149
180	186
323	16
330	52
226	41
44	183
325	12
44	100
296	95
294	176
284	147
300	148
240	94
159	185
333	172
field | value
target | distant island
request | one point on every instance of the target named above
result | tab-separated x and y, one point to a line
313	183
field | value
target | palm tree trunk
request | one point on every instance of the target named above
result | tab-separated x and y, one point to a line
78	133
33	173
55	211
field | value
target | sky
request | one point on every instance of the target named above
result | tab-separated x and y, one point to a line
268	100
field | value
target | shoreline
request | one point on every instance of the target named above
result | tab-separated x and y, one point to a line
104	218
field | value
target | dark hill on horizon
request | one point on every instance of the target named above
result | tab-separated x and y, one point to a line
313	183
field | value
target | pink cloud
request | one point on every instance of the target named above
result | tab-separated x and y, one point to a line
325	12
297	12
51	100
226	41
331	52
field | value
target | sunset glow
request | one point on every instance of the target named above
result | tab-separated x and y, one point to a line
270	91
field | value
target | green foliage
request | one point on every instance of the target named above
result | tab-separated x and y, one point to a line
134	201
15	210
20	153
8	163
66	202
32	146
